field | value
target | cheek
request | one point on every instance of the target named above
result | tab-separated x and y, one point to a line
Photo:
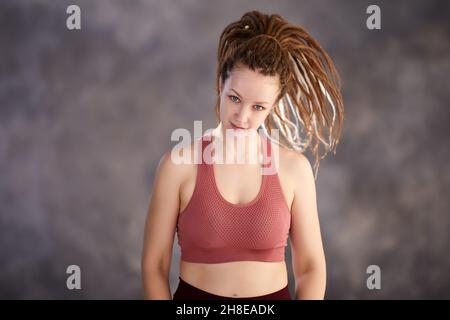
262	116
225	108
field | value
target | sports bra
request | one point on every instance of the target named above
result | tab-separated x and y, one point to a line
213	230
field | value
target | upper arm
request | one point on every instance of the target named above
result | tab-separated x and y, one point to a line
306	239
162	215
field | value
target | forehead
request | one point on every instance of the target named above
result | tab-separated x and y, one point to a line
252	84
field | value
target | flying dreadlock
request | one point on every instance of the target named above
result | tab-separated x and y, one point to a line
309	83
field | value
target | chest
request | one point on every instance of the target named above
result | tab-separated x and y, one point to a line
237	184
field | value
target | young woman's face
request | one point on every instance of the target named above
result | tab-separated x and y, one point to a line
246	98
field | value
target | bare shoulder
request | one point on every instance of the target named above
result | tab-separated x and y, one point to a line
298	173
177	163
294	162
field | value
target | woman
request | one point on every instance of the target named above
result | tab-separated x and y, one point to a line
233	220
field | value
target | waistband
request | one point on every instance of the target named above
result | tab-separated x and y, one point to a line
186	291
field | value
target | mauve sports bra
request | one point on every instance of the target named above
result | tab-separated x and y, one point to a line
213	230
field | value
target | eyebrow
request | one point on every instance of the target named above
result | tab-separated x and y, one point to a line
260	102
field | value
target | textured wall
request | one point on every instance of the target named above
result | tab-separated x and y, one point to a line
85	116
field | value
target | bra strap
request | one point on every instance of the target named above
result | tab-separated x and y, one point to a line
267	151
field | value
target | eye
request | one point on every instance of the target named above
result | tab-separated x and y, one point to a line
231	98
259	108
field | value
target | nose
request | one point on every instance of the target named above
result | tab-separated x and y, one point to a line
242	116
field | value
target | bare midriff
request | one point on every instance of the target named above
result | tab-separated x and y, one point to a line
237	279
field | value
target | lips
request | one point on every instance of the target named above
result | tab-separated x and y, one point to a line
236	127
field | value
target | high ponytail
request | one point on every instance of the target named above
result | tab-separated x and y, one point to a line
309	102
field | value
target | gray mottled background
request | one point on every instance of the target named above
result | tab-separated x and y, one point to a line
86	115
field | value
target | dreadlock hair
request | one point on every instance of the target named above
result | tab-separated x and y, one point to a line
309	83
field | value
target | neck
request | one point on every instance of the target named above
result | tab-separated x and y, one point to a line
237	146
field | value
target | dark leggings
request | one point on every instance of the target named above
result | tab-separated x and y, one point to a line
185	291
